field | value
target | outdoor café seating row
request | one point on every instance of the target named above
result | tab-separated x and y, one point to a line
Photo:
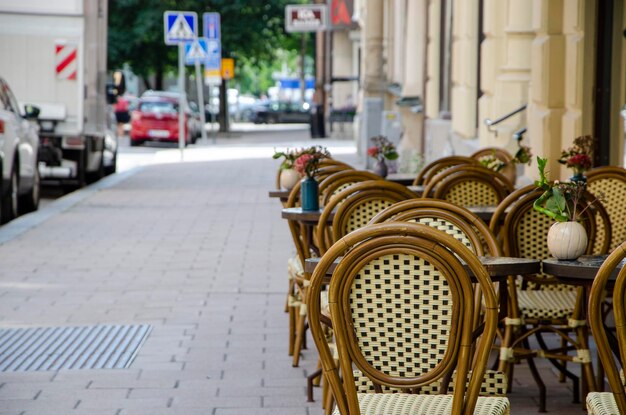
519	232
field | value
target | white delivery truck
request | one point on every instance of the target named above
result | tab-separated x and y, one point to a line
54	55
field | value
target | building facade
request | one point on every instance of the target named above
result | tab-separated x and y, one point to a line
447	66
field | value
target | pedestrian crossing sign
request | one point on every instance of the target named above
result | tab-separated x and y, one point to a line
180	26
196	51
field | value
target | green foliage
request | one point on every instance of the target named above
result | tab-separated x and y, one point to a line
252	30
560	200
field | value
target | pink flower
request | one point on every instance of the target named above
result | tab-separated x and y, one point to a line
373	151
301	163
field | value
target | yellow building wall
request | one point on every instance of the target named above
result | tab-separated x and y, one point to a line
465	67
505	69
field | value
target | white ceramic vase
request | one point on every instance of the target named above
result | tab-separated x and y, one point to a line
567	240
289	178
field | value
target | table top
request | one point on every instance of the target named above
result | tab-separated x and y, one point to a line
581	271
283	195
306	216
497	267
402	178
296	213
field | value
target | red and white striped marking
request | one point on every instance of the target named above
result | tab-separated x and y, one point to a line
65	61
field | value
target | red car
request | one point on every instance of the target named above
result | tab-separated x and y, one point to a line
156	119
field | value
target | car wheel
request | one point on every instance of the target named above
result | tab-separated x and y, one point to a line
99	173
113	167
10	198
135	143
30	201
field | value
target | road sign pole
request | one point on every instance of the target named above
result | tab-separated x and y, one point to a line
201	99
213	133
181	88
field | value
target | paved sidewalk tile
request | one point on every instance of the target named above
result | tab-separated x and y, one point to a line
198	251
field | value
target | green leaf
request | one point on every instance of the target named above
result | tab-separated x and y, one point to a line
559	199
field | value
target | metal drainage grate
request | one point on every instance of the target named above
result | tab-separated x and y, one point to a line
54	348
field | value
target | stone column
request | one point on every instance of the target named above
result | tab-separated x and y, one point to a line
505	68
547	104
465	68
413	85
372	54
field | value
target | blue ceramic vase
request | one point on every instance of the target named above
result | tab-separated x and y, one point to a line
578	177
380	168
309	194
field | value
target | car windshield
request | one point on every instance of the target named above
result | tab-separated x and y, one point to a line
158	106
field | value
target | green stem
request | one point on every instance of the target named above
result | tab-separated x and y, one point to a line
538	206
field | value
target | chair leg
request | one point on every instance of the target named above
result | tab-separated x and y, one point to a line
329	401
300	333
537	377
318	379
561	374
292	329
310	380
289	294
560	366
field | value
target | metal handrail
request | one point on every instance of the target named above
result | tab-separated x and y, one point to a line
490	123
519	134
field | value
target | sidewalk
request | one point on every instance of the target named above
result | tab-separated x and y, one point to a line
196	250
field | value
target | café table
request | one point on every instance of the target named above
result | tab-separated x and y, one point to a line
312	217
283	195
498	268
402	178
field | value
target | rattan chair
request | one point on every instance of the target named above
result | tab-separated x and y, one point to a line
606	403
327	162
402	308
297	279
354	206
509	171
435	167
469	185
539	304
611	181
335	183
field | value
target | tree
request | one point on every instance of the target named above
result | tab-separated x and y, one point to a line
251	30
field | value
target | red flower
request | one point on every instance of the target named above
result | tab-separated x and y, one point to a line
373	151
301	163
579	161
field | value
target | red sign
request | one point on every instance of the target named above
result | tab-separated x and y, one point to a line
341	14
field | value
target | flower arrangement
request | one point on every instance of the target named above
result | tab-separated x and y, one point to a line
382	149
523	154
289	155
578	157
492	162
560	200
307	162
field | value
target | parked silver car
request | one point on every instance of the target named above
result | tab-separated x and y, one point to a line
19	145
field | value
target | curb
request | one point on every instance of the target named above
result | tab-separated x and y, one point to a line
31	220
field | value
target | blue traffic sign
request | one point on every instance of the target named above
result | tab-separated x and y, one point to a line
180	26
211	25
214	50
196	51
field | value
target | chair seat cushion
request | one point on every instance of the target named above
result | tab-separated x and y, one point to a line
407	404
544	304
601	403
294	267
324	304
